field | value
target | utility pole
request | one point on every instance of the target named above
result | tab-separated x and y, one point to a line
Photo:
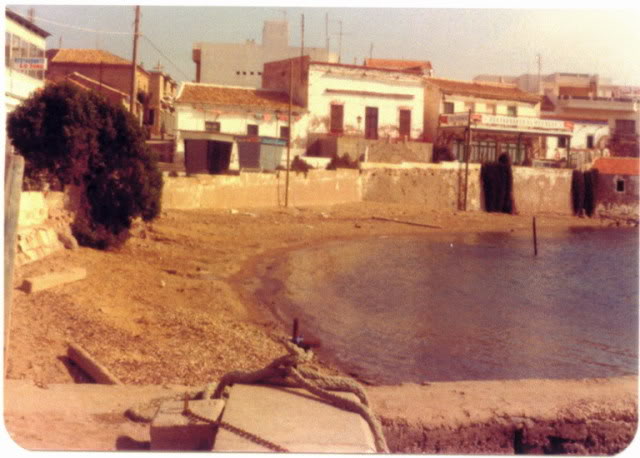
133	63
466	166
326	32
539	73
340	44
301	43
60	42
286	180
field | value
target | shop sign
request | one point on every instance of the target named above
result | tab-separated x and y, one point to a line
511	122
30	63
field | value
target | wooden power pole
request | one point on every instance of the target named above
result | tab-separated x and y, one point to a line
133	63
286	180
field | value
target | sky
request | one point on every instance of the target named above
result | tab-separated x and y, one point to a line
459	41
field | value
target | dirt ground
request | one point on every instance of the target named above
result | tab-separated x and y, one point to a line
171	306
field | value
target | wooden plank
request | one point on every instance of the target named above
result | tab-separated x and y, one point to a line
378	218
88	364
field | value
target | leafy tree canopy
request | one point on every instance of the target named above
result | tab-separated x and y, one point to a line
71	136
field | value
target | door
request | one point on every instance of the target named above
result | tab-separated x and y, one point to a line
405	124
337	119
371	123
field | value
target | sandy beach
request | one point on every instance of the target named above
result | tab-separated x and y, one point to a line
175	305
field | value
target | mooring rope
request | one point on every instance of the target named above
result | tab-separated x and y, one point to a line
280	370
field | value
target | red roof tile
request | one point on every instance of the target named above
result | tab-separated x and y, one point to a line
221	95
85	56
397	63
487	90
618	165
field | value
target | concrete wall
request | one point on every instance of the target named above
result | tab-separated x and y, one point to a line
436	186
255	190
612	202
542	190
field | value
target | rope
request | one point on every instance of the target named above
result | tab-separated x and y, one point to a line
278	371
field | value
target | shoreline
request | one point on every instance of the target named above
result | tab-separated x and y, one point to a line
172	308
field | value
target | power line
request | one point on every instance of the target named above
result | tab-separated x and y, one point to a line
83	29
165	57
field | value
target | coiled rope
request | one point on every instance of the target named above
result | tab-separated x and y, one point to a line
284	370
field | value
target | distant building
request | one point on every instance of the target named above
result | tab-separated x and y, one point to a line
367	113
160	115
241	64
617	190
24	59
501	117
423	66
606	116
222	128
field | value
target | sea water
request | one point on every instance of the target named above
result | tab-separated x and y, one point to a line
471	307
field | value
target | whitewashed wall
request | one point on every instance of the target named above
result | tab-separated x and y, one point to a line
322	78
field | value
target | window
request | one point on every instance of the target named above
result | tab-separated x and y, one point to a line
337	119
211	126
619	185
512	110
284	132
405	124
448	107
562	142
589	141
251	73
244	73
252	130
490	108
17	47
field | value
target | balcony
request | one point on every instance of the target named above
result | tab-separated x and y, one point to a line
598	103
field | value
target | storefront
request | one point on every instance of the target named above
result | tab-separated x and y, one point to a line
489	136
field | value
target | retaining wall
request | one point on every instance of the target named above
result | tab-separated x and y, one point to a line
542	190
255	190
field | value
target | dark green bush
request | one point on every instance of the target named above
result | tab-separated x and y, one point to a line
69	135
343	162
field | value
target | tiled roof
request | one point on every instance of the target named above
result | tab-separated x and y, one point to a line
225	95
481	89
618	165
85	56
82	79
397	63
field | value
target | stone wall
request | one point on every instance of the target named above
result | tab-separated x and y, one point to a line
542	190
44	224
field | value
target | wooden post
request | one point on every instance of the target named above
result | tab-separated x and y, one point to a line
535	238
286	185
133	63
466	167
12	192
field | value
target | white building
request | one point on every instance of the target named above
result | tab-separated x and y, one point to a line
24	59
240	64
222	128
353	107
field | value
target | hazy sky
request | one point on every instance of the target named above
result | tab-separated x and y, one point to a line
460	42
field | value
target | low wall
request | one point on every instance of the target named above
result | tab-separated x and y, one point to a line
436	186
254	190
542	190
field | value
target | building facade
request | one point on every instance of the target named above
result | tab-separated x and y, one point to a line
101	66
241	64
222	128
488	118
617	190
160	112
24	59
355	106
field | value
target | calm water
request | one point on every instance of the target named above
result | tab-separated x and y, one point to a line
472	307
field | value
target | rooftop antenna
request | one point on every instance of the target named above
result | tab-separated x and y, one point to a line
539	73
371	51
31	14
326	31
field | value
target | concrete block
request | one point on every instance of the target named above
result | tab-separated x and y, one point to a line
46	281
293	419
171	430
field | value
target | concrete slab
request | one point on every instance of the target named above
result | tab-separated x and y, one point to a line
46	281
293	419
171	430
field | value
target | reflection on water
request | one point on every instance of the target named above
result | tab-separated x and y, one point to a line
481	306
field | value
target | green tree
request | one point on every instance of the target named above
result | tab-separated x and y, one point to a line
71	136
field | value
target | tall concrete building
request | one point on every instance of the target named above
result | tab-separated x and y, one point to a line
240	64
